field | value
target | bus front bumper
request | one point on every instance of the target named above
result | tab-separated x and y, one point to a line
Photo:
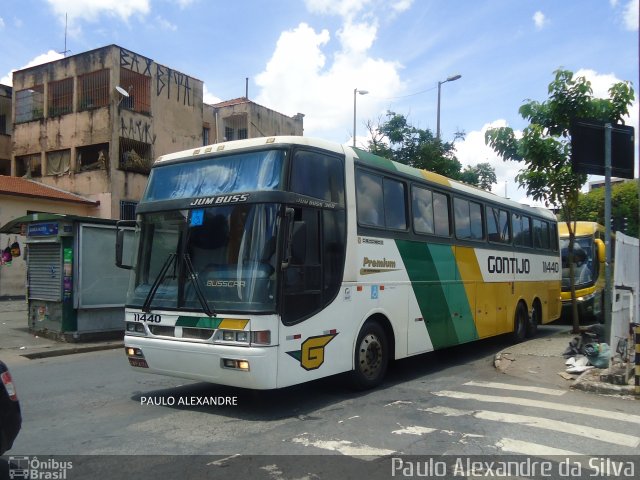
244	367
588	307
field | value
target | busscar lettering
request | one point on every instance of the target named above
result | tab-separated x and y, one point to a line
508	265
226	283
220	200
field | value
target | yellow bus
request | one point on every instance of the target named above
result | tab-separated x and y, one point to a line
270	262
589	259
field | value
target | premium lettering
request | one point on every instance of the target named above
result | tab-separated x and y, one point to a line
376	263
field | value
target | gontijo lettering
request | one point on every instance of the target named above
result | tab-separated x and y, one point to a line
508	265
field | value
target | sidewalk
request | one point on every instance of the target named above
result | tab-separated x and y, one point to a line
15	338
541	358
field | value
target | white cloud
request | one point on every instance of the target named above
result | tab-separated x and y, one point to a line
631	15
165	24
298	78
343	8
50	56
1	23
539	20
208	97
401	5
92	9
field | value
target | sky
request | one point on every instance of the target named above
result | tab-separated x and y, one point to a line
309	56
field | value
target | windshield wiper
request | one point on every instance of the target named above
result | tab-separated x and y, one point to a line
196	286
146	307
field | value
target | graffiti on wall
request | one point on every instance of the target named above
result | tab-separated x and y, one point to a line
168	82
137	130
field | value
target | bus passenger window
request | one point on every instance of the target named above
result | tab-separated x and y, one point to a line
541	234
422	210
441	214
468	219
369	199
498	225
394	205
521	230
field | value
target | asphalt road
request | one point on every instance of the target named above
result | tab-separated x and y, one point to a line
106	418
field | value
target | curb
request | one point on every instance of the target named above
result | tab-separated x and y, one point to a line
72	350
583	383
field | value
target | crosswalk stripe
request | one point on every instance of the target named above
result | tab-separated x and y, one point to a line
526	402
519	388
345	447
546	424
532	449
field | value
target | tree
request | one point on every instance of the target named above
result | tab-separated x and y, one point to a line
397	140
545	148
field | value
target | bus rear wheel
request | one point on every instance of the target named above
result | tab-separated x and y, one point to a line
534	319
520	322
371	356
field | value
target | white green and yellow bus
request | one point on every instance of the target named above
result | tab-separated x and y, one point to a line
270	262
589	259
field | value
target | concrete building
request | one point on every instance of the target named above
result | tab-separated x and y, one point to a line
92	123
241	118
5	129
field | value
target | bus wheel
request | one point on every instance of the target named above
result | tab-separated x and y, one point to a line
371	356
534	320
520	323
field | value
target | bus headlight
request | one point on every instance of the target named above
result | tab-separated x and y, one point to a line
234	364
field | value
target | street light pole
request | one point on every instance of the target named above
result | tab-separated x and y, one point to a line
361	92
450	79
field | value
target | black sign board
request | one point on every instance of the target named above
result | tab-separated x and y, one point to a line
587	148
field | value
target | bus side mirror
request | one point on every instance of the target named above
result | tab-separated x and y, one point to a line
120	232
600	250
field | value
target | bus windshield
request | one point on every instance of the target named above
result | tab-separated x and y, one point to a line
585	267
246	172
224	256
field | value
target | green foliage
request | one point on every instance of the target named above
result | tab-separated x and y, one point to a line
624	204
397	140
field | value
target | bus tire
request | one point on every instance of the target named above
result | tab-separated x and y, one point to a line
534	320
371	356
520	321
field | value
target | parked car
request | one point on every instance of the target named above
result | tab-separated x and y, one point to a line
10	415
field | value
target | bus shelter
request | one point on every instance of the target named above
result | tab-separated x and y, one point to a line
74	290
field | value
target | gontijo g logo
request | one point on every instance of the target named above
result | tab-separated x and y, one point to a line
311	355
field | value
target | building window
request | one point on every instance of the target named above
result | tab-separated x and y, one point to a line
60	99
135	156
127	210
29	166
58	162
92	157
93	90
228	134
30	104
139	88
242	134
205	136
5	115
